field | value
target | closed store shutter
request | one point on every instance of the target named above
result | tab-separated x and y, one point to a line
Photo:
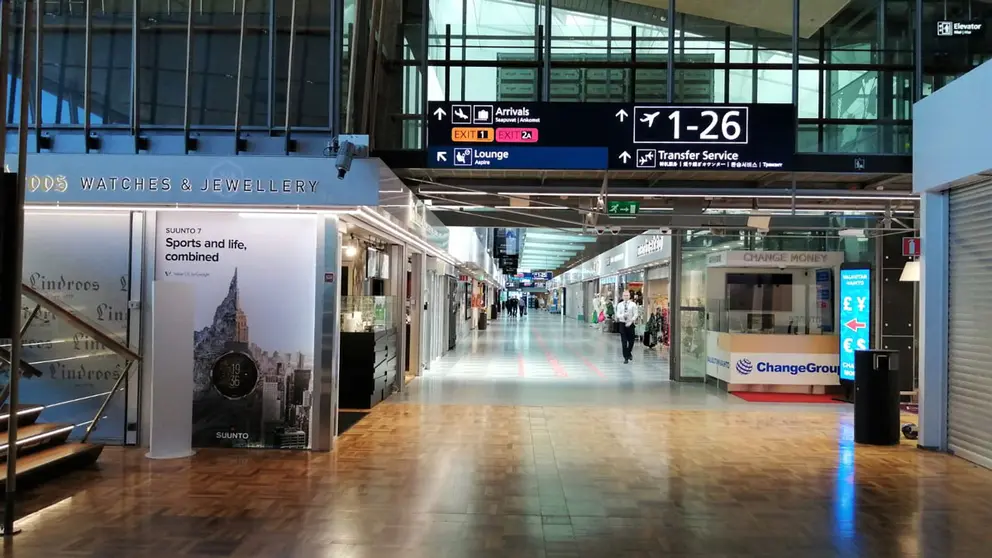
969	349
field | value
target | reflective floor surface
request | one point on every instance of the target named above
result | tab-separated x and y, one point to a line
453	468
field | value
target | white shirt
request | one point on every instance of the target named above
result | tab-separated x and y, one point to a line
627	312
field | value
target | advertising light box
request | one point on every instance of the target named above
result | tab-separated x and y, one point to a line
855	317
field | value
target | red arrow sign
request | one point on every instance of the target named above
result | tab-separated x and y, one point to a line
855	325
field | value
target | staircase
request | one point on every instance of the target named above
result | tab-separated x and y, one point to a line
54	442
42	447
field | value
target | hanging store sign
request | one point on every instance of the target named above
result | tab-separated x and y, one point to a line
618	136
655	243
107	179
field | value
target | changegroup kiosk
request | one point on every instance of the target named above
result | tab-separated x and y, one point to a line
771	321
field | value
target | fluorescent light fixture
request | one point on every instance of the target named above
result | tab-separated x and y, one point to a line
911	272
451	192
299	210
456	207
702	194
535	207
350	251
852	233
391	227
277	215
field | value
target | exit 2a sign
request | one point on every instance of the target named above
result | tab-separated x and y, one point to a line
623	207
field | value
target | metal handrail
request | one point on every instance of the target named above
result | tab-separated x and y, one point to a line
80	323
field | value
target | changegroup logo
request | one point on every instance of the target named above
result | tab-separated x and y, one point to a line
744	367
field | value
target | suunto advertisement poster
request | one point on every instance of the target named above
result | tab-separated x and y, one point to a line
254	282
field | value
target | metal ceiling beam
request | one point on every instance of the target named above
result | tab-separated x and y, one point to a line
700	192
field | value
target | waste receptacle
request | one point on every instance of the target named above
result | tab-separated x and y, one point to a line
493	312
876	397
482	321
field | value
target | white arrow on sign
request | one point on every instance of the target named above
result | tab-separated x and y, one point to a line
441	155
621	114
440	114
624	156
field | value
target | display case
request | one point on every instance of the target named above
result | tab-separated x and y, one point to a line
368	351
366	313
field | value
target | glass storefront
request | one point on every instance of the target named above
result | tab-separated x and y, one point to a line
717	298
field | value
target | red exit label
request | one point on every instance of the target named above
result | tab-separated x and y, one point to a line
516	135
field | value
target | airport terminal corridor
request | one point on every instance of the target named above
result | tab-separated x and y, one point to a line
533	439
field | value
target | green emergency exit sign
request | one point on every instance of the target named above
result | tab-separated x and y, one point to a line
623	207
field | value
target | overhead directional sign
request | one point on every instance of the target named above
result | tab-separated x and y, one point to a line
617	136
855	316
622	207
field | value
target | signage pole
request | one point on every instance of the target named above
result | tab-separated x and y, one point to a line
675	308
17	214
5	15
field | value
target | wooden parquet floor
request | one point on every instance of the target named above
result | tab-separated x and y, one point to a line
440	481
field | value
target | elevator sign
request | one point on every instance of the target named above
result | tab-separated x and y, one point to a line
855	317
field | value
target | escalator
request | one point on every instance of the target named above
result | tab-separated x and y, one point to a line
73	382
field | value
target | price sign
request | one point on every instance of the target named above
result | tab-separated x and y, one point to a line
855	316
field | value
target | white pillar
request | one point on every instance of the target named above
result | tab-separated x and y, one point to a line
933	320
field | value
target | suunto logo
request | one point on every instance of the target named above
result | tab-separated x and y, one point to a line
744	367
232	435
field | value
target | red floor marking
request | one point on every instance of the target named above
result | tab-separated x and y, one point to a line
520	366
593	367
556	366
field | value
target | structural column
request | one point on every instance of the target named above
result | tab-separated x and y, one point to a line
416	311
933	318
327	338
397	274
675	308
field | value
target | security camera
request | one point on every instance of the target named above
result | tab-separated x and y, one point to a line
346	154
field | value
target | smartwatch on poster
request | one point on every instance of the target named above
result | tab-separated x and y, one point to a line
234	375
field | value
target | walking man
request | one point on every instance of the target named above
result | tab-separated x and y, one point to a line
626	316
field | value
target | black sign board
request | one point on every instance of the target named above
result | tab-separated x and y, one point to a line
11	220
509	264
960	28
615	136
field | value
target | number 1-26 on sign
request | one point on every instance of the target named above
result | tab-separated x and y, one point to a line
691	124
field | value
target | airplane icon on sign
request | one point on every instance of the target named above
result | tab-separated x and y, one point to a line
649	118
460	114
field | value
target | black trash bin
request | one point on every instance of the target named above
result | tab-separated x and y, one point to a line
876	397
482	321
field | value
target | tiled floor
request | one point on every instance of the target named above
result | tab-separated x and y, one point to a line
468	465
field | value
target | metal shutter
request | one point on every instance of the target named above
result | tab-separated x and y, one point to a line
969	331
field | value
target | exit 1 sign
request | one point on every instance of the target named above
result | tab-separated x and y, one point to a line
623	207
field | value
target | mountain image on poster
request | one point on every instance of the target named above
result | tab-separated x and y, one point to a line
246	395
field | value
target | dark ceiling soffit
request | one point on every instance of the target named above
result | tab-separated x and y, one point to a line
804	162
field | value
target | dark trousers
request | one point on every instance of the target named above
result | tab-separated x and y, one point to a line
627	341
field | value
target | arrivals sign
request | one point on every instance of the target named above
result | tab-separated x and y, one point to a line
617	136
855	317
